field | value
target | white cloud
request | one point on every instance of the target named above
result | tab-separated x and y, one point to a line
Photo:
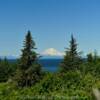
52	52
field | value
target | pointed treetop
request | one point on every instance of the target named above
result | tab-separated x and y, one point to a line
72	35
72	38
28	32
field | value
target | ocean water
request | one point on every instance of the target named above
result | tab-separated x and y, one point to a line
51	65
48	64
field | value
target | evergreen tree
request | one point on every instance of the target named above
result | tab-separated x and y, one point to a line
5	70
29	71
90	57
96	58
72	57
93	57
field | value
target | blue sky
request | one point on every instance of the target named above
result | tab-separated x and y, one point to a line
51	23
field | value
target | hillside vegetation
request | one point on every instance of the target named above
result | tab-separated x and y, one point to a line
25	79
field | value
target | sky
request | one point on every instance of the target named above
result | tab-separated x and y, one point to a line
51	23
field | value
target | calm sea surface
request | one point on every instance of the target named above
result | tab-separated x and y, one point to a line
51	65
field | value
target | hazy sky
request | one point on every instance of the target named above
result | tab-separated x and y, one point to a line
51	23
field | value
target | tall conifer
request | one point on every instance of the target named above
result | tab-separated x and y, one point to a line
29	71
72	57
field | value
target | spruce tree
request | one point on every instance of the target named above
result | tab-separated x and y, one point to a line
90	58
29	71
96	58
72	57
5	70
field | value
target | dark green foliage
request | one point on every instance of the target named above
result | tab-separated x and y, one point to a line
6	70
90	57
29	71
72	85
92	68
28	54
95	56
72	57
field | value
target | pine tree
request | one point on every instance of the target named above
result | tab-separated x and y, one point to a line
29	71
72	57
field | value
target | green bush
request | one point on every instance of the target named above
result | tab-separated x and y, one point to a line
56	86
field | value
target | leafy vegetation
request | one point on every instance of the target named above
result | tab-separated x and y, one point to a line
25	80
